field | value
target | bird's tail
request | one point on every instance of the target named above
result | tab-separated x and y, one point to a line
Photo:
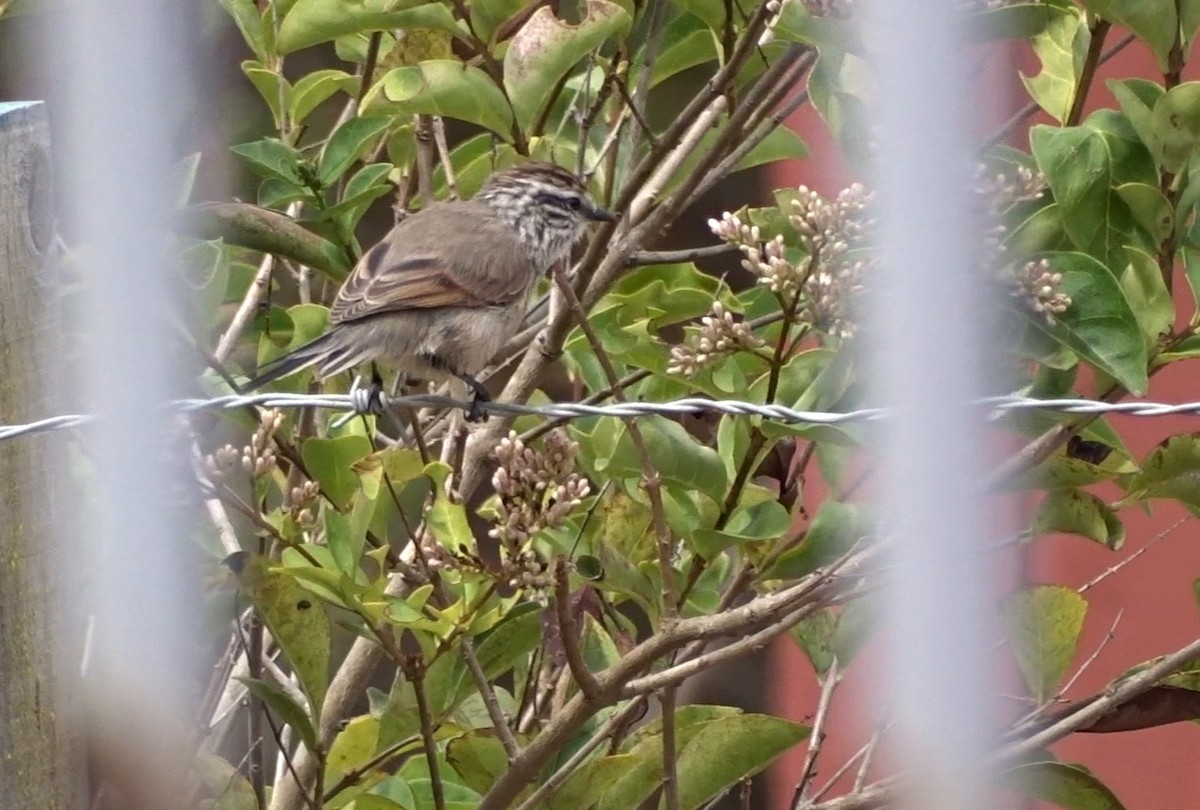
311	353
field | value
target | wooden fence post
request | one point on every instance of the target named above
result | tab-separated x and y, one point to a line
39	765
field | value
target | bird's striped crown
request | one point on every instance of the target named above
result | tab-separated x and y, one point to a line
547	206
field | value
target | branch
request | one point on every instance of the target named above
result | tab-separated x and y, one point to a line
1117	694
756	614
267	231
644	257
570	633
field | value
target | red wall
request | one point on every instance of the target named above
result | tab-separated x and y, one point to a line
1155	769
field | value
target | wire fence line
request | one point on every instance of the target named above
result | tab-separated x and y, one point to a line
358	402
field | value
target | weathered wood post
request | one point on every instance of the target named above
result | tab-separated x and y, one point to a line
38	762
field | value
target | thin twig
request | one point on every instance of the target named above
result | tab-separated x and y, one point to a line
861	779
1087	586
569	633
816	736
429	743
425	150
674	159
490	702
248	308
1104	642
650	478
670	758
443	149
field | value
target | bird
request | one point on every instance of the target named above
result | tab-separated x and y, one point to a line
449	285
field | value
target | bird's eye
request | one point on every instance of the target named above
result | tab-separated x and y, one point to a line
574	203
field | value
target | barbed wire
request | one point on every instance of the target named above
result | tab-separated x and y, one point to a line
358	402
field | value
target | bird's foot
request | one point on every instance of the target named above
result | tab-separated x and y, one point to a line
479	397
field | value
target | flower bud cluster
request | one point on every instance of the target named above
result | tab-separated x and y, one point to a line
302	503
1002	191
256	458
832	227
719	334
1040	288
767	261
831	293
835	9
537	489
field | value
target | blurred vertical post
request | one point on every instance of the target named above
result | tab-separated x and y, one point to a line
35	700
928	360
128	94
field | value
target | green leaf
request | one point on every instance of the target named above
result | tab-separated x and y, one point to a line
1170	471
729	749
229	789
271	157
297	622
287	709
1065	785
1099	324
1148	298
1074	511
687	42
587	786
1176	126
545	48
487	17
314	88
271	86
447	88
447	521
250	22
347	143
1083	166
331	464
345	534
368	183
311	22
767	520
1138	98
1151	210
678	456
836	527
1062	47
1018	21
1045	621
518	635
354	746
815	636
478	757
1153	21
1062	470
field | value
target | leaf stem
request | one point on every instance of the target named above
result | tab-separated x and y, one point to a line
1087	73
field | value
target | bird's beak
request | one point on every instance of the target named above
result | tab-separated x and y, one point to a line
597	214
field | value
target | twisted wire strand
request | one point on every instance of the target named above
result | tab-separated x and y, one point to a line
357	402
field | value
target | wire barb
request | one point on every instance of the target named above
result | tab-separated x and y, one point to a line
354	403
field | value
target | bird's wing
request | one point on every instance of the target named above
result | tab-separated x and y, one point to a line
421	264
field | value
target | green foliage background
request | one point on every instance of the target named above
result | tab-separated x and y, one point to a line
522	666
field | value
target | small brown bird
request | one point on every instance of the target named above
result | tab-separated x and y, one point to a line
448	286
